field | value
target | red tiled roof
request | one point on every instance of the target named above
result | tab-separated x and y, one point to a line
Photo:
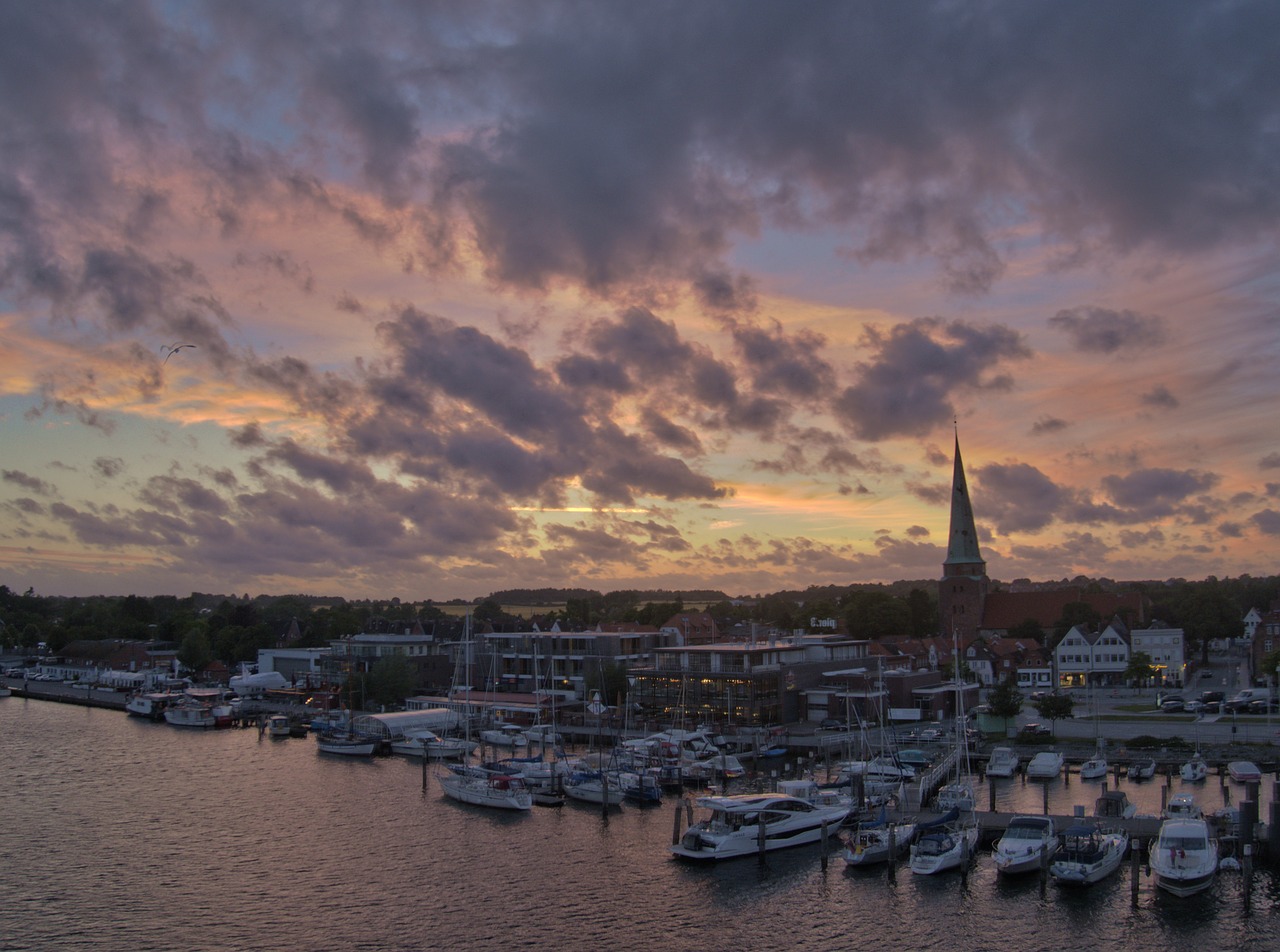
1005	610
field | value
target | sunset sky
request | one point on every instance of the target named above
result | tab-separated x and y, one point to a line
648	295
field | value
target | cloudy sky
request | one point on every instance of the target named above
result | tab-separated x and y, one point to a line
487	295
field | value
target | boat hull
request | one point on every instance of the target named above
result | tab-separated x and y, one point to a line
930	856
1086	872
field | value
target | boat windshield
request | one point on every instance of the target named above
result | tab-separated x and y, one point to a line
1024	832
1172	842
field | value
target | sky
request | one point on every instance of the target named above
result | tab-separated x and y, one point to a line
433	300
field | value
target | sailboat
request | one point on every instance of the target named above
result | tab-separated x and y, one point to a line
345	742
476	785
1095	768
949	842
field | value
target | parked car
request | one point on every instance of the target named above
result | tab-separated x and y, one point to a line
1035	730
930	735
1173	705
1212	707
831	724
1206	673
1193	707
1208	696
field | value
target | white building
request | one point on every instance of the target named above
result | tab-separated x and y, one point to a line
1166	647
1092	657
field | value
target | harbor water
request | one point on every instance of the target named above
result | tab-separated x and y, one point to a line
120	834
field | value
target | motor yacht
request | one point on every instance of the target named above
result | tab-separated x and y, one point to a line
1088	855
1045	765
1003	762
744	824
1025	844
1184	858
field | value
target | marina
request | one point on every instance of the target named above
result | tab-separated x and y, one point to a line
293	842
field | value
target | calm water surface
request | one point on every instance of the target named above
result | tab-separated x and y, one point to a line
122	834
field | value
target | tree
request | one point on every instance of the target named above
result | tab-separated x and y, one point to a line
194	653
1026	630
1075	613
390	681
1140	668
1006	700
1053	707
1209	614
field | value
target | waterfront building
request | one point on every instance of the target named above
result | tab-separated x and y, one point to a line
1166	647
564	661
1084	656
746	684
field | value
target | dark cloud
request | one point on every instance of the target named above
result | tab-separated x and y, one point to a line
108	466
1048	425
906	387
1017	497
1270	461
1157	491
1266	521
28	482
1098	330
1159	398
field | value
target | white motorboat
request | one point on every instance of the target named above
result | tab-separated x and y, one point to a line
1003	762
640	786
150	705
189	712
417	743
505	735
744	824
480	788
1088	855
1182	806
878	842
881	770
1026	842
278	726
1114	805
1142	769
943	844
1244	771
811	792
1194	769
957	796
1045	765
1184	858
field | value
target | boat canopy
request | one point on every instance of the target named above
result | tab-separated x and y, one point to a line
396	725
949	817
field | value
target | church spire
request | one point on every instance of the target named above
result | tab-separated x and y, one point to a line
963	555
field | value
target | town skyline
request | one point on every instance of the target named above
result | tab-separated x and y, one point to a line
443	301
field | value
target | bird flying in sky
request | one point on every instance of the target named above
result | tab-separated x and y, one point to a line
171	350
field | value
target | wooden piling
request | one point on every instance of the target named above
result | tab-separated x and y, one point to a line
760	839
893	851
1246	866
991	794
1135	847
1045	788
675	827
824	846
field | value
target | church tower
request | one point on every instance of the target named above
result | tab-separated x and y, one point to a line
962	592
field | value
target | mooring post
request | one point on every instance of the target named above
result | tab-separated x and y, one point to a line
760	838
991	794
675	827
1045	788
1135	847
1247	868
824	846
1273	828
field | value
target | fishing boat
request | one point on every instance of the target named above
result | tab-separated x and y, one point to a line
1088	855
190	712
745	824
1184	858
278	726
1026	842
